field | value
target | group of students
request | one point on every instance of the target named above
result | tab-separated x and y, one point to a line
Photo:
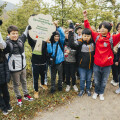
88	53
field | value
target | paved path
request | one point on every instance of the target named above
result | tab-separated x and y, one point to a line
85	108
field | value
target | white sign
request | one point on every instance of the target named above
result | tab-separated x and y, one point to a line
42	29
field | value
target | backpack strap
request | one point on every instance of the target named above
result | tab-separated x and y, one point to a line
61	46
97	38
111	42
54	59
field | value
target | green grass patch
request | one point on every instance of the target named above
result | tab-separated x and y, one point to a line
46	101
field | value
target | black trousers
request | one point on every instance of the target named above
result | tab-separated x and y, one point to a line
38	70
54	69
4	97
115	72
70	69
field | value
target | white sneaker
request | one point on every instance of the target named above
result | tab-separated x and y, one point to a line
117	91
75	88
101	97
45	83
67	88
94	95
114	83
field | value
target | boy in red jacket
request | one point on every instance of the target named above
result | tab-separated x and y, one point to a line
103	58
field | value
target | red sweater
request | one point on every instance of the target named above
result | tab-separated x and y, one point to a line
103	52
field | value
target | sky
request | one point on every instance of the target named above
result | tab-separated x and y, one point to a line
17	1
13	1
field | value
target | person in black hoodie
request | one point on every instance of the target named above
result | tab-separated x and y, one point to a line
38	64
4	79
85	53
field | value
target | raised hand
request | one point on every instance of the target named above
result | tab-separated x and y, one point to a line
48	40
56	23
85	14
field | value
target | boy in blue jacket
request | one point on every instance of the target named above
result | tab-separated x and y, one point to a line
55	48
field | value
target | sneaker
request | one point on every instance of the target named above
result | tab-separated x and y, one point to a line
19	102
9	109
27	97
36	95
82	92
88	93
114	83
101	97
117	91
67	88
94	95
75	88
5	112
45	83
44	87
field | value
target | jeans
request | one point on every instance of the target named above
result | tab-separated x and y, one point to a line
101	75
85	75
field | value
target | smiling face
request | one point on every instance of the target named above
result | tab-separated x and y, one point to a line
13	35
103	30
56	38
86	37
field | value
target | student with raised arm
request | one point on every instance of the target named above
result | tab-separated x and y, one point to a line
103	58
55	48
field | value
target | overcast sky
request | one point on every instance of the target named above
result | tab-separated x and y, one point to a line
17	1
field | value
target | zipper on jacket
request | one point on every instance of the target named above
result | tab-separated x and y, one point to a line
13	63
90	58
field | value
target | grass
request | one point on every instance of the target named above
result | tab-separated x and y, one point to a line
46	101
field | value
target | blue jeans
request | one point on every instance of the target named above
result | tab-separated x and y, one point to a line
85	75
101	75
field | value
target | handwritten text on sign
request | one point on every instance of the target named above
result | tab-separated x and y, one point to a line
42	28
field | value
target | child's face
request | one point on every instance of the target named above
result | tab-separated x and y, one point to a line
118	28
79	31
56	38
86	37
103	30
13	35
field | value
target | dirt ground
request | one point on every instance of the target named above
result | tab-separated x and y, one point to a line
86	108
